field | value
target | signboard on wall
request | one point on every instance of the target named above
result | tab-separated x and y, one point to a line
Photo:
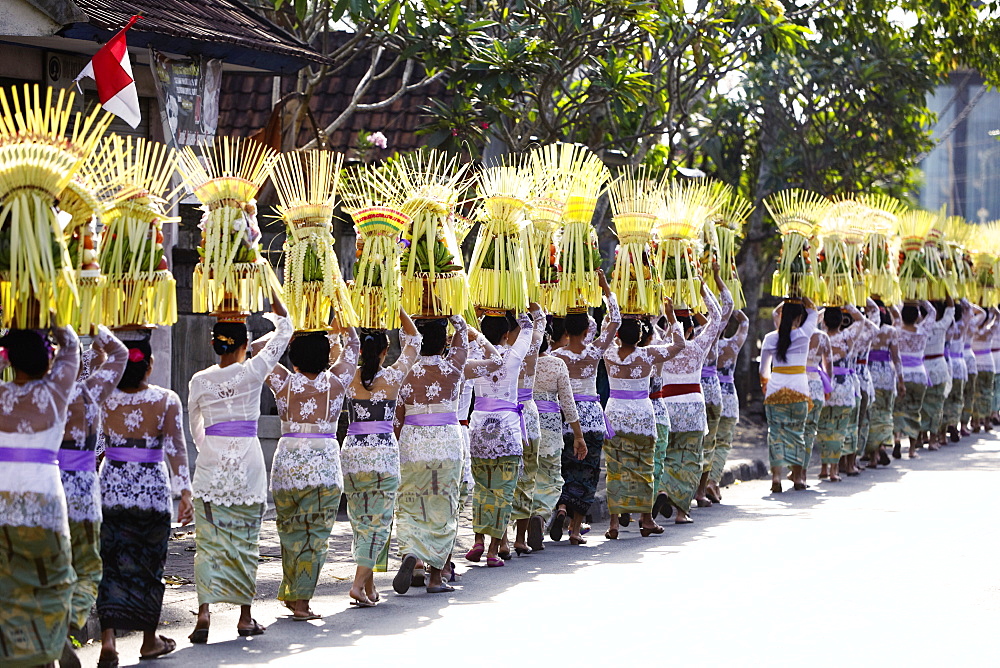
188	92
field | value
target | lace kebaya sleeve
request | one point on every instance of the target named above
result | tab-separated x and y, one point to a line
564	389
611	322
459	349
410	344
65	368
175	445
344	368
261	364
196	420
102	381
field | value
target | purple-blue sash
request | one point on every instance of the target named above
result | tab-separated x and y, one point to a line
139	455
28	455
824	378
494	405
525	394
366	427
608	431
233	429
77	460
709	372
726	378
431	419
915	362
880	356
546	406
632	395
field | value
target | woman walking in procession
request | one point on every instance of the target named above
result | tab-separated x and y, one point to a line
230	480
912	341
306	478
145	464
886	371
371	452
728	354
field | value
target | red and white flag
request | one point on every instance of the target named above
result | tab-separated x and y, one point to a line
111	70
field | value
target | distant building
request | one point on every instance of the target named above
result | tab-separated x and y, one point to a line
963	170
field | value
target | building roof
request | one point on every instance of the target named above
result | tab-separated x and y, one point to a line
225	29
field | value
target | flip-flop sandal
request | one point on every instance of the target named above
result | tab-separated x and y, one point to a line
418	579
536	527
401	583
556	526
254	630
362	604
198	637
440	589
68	658
306	618
108	663
661	503
687	520
169	645
625	519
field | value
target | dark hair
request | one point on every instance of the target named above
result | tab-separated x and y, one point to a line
135	371
939	308
909	313
687	323
576	323
790	313
27	351
646	335
556	329
958	312
374	342
435	336
494	328
630	331
883	313
228	337
833	318
310	352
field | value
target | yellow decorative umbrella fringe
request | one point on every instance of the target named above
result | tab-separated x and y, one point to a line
143	301
377	278
298	244
885	286
315	310
435	295
243	288
795	275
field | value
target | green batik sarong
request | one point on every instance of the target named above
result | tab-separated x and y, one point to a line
371	499
932	408
834	423
305	518
984	395
812	424
427	509
723	445
713	413
996	392
850	446
628	459
786	443
906	412
969	397
36	590
85	537
524	493
228	550
864	424
682	467
493	497
548	485
954	402
880	422
660	456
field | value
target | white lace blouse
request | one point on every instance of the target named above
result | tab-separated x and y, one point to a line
728	355
32	418
230	469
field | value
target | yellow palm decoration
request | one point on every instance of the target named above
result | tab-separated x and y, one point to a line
636	199
797	213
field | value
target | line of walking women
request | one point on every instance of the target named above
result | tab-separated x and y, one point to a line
856	384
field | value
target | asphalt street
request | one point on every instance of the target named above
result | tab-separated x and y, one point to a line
895	567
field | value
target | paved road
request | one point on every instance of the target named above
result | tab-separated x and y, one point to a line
895	567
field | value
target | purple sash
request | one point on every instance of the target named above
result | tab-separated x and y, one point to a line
365	427
916	362
308	434
233	429
608	431
545	406
880	356
28	455
431	419
727	379
842	371
709	372
525	394
77	460
494	405
823	377
633	395
138	455
982	352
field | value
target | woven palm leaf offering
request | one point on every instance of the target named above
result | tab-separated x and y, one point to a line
578	256
880	256
134	176
232	278
379	222
797	213
983	247
914	279
957	260
636	199
498	271
942	283
433	276
721	235
39	156
679	227
306	183
842	233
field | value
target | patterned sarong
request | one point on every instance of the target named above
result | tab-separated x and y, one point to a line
524	493
134	550
932	408
880	422
228	542
371	498
786	423
548	485
660	455
996	392
969	398
723	445
850	446
906	412
305	518
493	496
85	538
713	412
831	432
580	477
427	509
36	588
954	403
984	395
812	425
864	424
630	482
682	467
